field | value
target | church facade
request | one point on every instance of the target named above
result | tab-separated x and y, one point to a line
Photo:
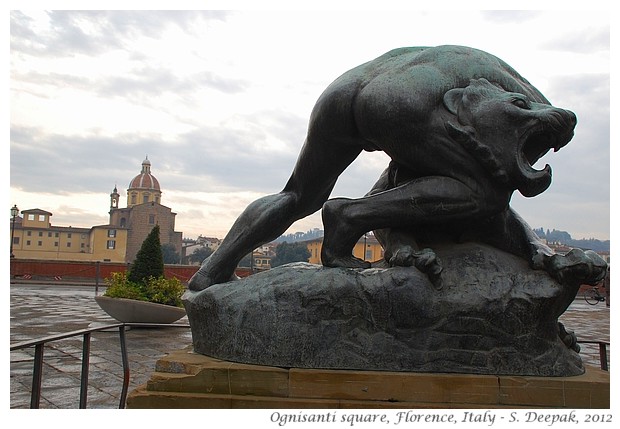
144	210
34	237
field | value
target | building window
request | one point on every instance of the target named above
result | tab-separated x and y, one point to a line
111	244
123	222
69	244
49	234
30	217
68	235
39	243
111	233
82	245
133	198
145	198
55	244
15	240
56	235
27	242
40	233
28	233
41	218
151	219
83	236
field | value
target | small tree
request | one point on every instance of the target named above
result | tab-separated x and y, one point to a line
200	254
149	261
287	253
170	254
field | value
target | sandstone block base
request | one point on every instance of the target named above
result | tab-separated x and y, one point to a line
185	379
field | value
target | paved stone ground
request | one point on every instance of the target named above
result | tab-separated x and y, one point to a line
42	310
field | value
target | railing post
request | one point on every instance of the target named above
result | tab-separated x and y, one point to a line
37	372
85	365
602	350
121	332
97	271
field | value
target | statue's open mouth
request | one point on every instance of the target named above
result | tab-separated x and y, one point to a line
536	143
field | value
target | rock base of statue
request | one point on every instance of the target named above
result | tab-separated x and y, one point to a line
185	379
494	315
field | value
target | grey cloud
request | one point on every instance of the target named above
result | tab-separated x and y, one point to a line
509	16
214	81
79	163
584	41
58	80
209	159
107	30
151	81
140	85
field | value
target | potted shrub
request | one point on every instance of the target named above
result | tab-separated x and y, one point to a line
144	295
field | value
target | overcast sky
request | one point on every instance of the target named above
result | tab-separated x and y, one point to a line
219	101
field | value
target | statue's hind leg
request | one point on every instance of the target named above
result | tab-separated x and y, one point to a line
318	166
424	201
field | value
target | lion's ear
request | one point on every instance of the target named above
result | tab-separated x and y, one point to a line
465	135
453	99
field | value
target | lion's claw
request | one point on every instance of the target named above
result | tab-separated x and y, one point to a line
424	260
577	267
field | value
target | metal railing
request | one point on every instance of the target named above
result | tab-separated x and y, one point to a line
602	352
39	345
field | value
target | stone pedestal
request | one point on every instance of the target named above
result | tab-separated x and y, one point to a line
185	379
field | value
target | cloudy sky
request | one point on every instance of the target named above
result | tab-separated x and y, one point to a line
219	102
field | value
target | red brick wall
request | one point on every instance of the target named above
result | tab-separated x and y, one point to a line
87	271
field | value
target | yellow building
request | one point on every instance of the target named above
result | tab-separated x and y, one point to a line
34	237
366	248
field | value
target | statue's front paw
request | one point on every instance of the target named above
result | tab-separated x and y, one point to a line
210	274
568	338
424	260
577	267
201	279
402	257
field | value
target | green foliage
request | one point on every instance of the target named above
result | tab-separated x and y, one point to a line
149	260
287	253
119	287
200	254
159	290
165	291
246	261
170	254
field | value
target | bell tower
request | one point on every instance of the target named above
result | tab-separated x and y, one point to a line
114	196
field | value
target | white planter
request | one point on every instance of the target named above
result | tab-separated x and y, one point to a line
134	311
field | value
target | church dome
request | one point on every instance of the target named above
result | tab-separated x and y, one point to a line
145	180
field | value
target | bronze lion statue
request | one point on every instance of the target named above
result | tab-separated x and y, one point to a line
463	130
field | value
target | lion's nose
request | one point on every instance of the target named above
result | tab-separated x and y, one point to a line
571	118
561	120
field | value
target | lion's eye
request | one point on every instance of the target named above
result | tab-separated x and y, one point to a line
521	103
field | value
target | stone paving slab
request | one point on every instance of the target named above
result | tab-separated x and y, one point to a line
41	310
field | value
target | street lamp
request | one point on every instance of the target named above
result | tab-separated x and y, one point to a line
14	213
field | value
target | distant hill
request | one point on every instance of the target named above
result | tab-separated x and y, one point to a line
301	236
553	236
563	237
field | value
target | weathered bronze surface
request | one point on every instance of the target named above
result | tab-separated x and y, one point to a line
463	130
